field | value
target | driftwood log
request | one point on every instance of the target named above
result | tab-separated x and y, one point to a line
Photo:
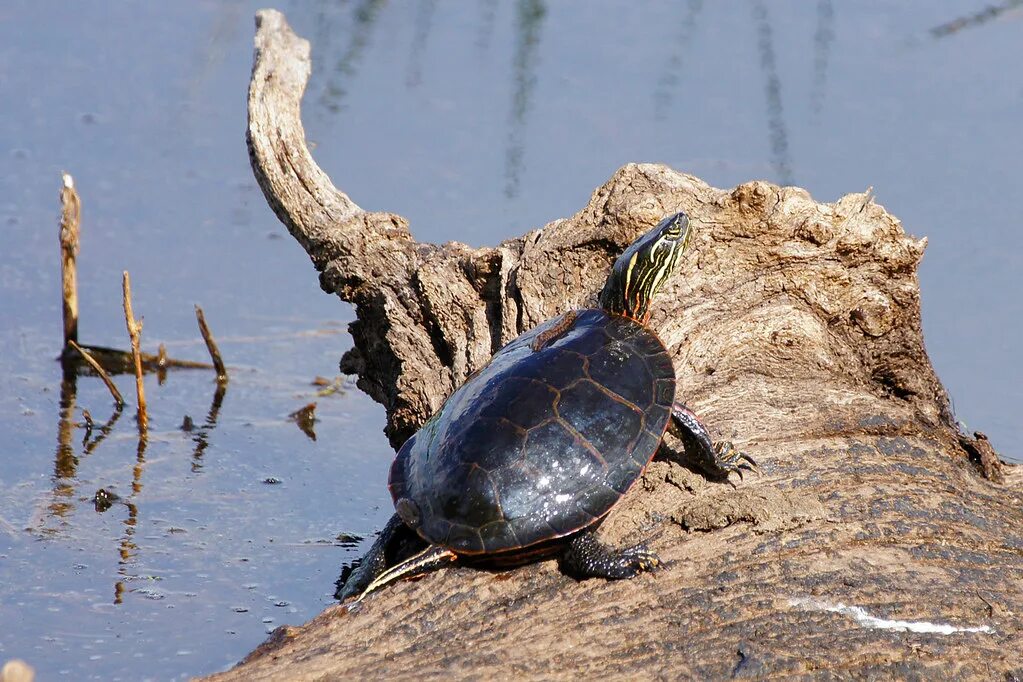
879	542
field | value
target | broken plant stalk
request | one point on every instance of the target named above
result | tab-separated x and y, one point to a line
100	371
70	219
211	346
134	334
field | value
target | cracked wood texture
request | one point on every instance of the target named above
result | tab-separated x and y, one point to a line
795	329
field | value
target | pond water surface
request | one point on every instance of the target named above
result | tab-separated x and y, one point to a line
475	121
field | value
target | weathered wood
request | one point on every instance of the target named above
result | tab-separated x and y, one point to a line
794	324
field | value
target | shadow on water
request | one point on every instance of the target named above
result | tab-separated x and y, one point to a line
529	18
664	92
779	138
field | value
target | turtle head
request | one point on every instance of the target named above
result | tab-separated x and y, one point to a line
645	265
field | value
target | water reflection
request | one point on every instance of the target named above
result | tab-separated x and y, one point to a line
779	139
669	79
822	39
980	18
529	20
66	461
65	465
488	16
89	445
424	17
364	18
126	548
230	18
202	435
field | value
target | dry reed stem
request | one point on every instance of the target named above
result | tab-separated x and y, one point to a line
70	220
99	370
134	333
211	345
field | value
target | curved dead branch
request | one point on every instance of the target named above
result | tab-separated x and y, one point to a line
872	546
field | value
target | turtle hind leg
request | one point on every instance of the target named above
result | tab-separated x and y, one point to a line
717	460
586	556
395	543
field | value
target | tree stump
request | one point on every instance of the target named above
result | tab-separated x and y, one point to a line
880	541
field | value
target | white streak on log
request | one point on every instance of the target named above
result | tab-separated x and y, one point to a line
861	616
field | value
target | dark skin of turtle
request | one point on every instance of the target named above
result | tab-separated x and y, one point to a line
527	457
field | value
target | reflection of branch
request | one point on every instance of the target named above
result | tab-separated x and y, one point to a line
669	77
772	89
822	38
530	19
488	12
65	463
201	437
65	466
977	19
104	430
211	52
345	70
127	549
424	17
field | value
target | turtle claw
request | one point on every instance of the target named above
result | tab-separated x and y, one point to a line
642	559
729	459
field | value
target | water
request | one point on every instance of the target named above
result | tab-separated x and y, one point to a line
477	122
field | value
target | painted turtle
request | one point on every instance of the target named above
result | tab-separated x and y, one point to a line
529	455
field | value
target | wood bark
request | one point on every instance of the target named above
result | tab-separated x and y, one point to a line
879	542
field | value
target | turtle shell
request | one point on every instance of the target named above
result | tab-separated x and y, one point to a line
541	442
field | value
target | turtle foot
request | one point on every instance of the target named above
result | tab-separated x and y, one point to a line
718	460
587	557
728	460
641	560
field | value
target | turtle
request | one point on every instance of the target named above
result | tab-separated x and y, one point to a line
528	456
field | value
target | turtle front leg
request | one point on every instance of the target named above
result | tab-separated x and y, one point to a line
587	557
717	459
